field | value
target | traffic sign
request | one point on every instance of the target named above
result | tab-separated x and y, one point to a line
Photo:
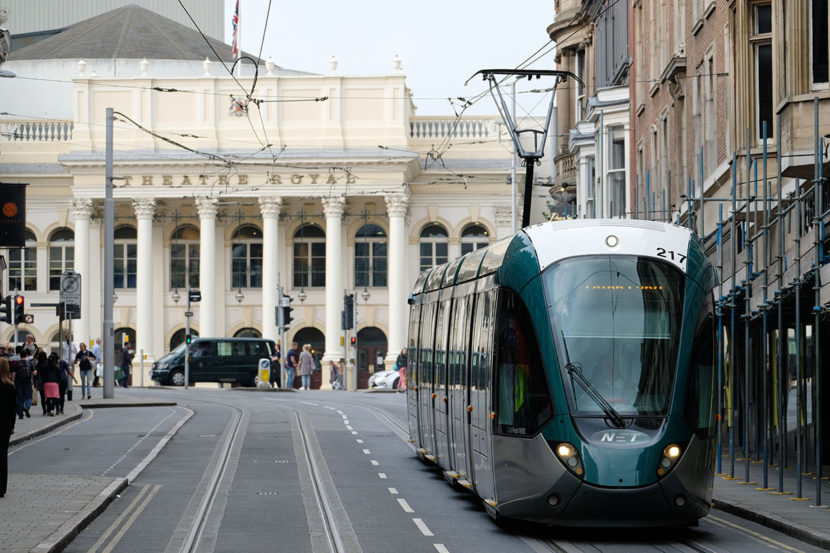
195	295
70	294
28	319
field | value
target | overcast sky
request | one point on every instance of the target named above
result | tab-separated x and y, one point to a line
440	42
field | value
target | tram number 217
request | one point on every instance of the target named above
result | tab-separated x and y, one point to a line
671	254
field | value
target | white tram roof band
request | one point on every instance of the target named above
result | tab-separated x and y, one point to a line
557	240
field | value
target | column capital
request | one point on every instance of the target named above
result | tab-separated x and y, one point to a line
82	208
144	208
270	206
397	204
333	206
207	207
504	215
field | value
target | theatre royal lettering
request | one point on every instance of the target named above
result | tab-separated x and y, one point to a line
191	180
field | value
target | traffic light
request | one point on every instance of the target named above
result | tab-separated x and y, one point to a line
348	311
6	310
19	309
188	339
286	310
354	340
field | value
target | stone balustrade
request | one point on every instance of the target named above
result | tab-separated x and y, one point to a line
40	130
443	127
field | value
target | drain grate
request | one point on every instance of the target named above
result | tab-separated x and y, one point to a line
267	493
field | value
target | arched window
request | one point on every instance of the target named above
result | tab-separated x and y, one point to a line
474	237
124	274
247	332
309	257
246	257
433	246
370	256
184	257
178	337
23	265
124	337
61	256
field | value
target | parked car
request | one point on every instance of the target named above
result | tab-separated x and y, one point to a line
215	360
387	379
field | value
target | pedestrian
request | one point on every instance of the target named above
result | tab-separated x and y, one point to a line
99	363
7	420
274	378
22	373
334	375
30	345
85	359
126	365
67	377
400	362
51	377
306	366
40	368
68	349
291	361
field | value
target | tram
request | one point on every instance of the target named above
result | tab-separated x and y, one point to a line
566	375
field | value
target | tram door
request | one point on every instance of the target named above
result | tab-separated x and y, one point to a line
440	394
425	372
459	340
481	386
412	371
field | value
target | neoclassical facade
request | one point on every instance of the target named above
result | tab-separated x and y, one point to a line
325	184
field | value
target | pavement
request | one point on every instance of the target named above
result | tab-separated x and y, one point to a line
63	505
43	513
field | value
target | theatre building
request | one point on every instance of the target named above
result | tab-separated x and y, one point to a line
327	184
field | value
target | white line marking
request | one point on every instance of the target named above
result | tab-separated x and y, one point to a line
440	548
393	491
344	416
341	412
382	475
359	441
405	506
374	463
349	427
354	431
366	452
310	403
422	527
329	407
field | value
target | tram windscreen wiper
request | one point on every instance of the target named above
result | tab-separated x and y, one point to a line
577	376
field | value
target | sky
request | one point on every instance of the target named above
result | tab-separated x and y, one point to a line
441	43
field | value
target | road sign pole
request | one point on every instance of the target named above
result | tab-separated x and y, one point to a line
186	344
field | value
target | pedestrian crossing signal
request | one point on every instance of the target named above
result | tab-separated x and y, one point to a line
187	339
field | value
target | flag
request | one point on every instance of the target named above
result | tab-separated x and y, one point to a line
235	25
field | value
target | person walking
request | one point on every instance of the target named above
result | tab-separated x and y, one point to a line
126	365
67	377
306	366
7	411
85	359
30	345
99	363
22	373
291	361
40	368
401	363
51	377
274	378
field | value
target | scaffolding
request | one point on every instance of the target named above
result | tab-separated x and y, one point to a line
772	310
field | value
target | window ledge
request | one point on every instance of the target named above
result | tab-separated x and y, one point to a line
655	87
640	109
710	9
697	26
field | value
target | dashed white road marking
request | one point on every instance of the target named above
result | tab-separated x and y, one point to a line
366	452
422	527
330	408
405	506
374	463
359	441
393	491
354	431
349	427
341	413
440	548
382	475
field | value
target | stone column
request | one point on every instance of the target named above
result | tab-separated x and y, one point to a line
82	211
396	207
333	208
207	266
270	208
145	209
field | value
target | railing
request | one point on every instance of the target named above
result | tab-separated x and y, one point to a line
565	166
443	127
37	131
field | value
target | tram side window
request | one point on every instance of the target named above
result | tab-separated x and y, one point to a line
412	346
481	355
427	328
524	403
700	397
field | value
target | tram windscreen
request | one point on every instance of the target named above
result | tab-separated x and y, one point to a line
616	320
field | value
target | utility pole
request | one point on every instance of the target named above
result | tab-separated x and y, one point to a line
109	249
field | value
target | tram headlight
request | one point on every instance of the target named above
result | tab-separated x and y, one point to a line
569	456
671	453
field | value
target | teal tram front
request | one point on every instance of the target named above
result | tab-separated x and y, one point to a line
566	374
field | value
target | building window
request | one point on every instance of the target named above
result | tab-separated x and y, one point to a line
616	172
710	137
61	256
246	257
309	257
184	257
474	237
370	246
591	187
762	44
247	332
433	246
124	255
819	46
580	88
23	265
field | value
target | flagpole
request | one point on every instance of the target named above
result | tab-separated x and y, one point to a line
237	36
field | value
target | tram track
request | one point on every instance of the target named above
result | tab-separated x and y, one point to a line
547	545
